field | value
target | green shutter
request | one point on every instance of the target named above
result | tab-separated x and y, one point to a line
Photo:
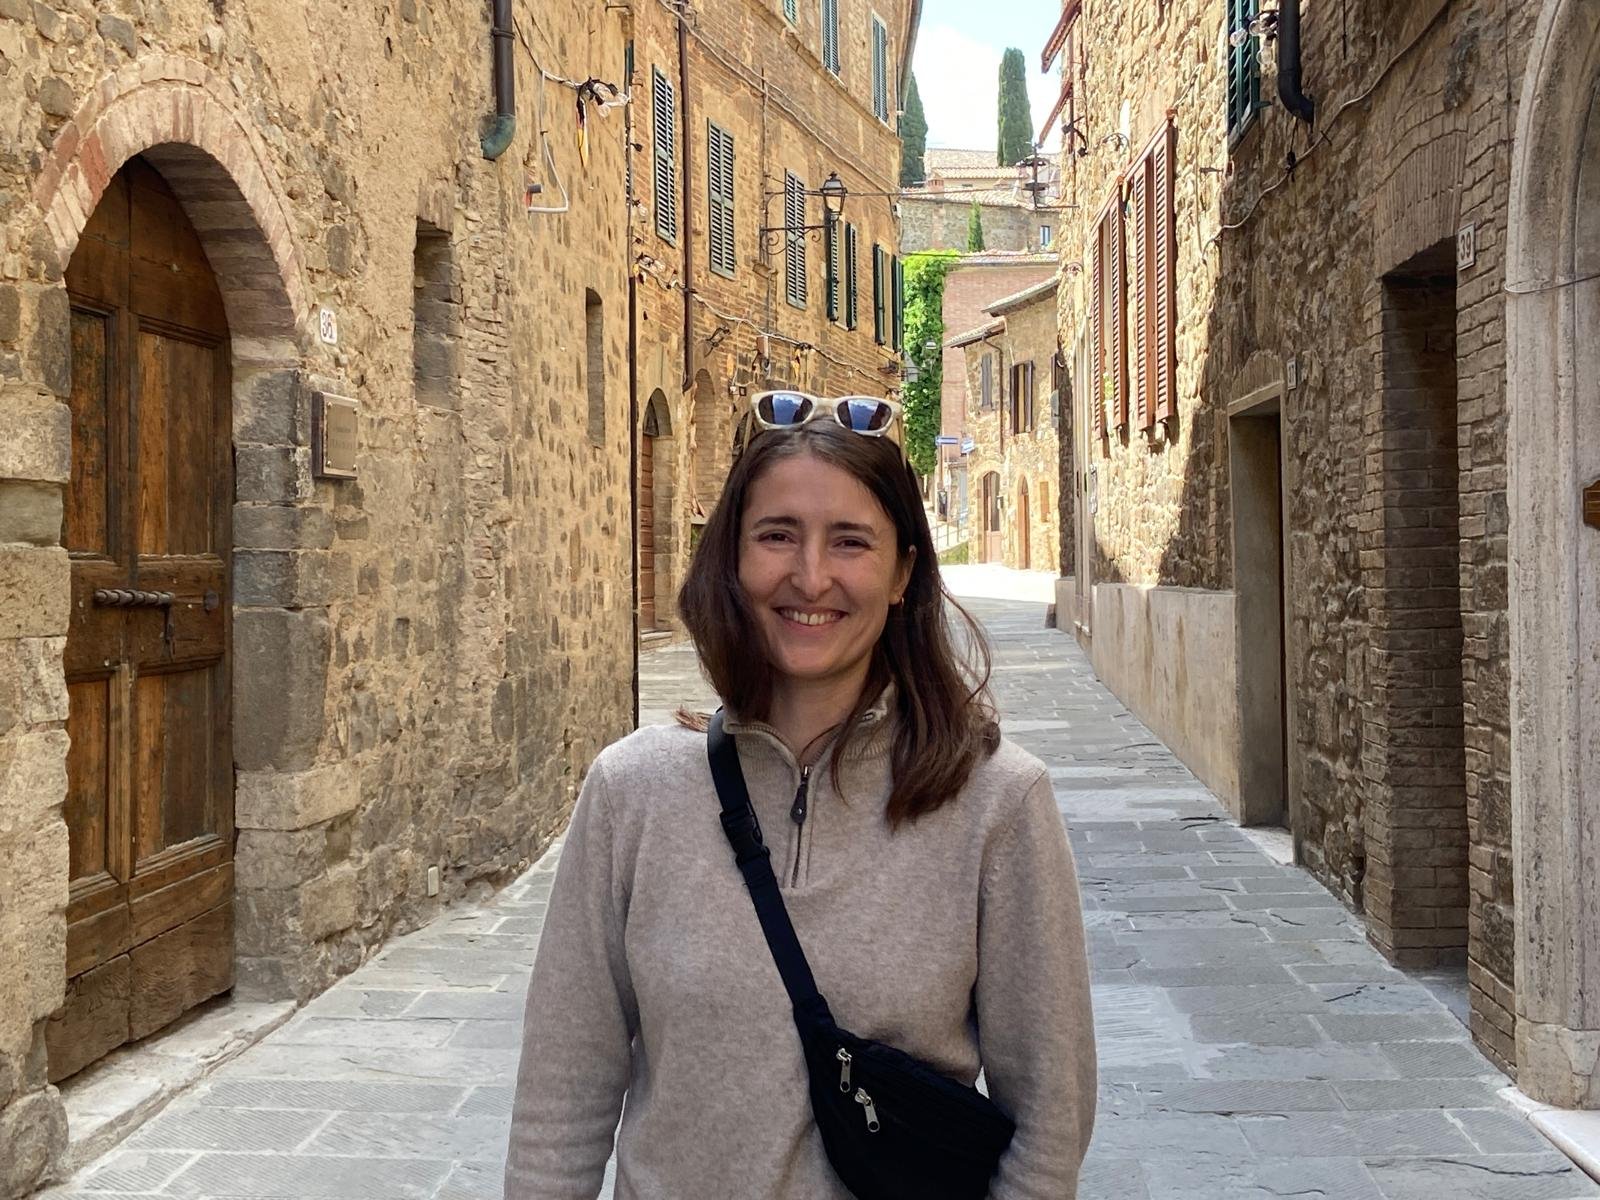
878	323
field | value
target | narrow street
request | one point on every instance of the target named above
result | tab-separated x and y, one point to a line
1252	1045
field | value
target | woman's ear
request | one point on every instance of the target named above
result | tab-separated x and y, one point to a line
902	579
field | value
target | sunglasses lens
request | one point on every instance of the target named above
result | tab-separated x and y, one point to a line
784	408
864	414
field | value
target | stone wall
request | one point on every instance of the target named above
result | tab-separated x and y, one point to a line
940	223
1281	303
762	81
426	657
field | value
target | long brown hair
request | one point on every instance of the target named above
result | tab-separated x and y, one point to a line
946	716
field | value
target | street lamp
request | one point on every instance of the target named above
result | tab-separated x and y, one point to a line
833	194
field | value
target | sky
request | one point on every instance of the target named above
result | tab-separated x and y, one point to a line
957	63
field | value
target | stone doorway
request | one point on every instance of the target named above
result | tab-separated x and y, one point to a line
1255	448
150	772
1415	816
993	537
656	467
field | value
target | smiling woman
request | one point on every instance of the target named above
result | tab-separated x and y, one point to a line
920	858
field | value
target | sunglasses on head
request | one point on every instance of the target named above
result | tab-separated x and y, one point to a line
870	416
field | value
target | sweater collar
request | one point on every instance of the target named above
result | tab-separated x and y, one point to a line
876	726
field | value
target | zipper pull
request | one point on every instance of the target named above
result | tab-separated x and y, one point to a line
872	1113
844	1069
797	811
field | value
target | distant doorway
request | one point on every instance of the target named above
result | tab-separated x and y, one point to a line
993	550
1256	471
655	443
1024	555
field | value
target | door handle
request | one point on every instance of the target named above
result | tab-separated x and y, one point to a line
132	598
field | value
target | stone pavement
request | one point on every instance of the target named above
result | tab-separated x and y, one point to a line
1252	1045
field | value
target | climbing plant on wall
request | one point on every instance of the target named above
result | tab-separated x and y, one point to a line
924	291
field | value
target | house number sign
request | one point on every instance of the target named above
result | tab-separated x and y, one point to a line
334	436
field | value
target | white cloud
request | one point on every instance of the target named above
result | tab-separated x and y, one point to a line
959	80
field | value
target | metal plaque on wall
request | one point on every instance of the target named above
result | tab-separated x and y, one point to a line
334	436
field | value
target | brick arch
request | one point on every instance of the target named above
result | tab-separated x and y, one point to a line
1553	459
177	113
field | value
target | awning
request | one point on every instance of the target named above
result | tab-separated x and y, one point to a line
1058	36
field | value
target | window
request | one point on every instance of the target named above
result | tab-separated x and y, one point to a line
594	346
1046	237
1108	376
851	299
1022	398
719	186
986	382
1045	513
1152	286
880	286
880	68
794	252
830	35
833	251
435	319
664	137
1244	68
789	13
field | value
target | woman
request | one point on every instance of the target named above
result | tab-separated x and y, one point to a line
922	860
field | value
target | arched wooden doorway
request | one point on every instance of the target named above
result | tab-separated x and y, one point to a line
149	804
1024	555
993	549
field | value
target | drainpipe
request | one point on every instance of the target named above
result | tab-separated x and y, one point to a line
503	124
1289	89
686	226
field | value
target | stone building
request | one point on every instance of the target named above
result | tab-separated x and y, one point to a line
969	285
1013	468
1016	215
1304	477
746	108
314	493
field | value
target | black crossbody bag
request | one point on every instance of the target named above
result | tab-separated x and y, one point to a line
894	1127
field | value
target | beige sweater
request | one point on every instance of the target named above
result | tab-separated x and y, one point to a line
958	939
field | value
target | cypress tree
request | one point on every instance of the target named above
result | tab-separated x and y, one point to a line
1016	117
913	138
975	228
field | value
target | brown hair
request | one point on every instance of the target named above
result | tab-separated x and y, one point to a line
946	716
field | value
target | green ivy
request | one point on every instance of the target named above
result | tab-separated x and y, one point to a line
924	292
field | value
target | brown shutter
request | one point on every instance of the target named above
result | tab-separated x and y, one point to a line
1142	357
1097	358
1166	246
1117	314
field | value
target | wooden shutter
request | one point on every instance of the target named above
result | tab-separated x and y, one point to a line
830	35
880	69
834	252
1166	283
851	289
1097	311
1143	359
664	140
898	275
794	258
1117	313
719	178
879	325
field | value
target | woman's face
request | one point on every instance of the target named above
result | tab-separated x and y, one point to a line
820	565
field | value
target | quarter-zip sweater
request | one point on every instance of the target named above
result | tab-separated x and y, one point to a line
958	938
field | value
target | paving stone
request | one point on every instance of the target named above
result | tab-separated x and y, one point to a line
1396	1094
1391	1027
1425	1060
1283	1135
1262	1029
134	1171
307	1176
1188	1136
1255	1179
478	1138
1239	1096
1337	1060
1481	1177
195	1127
333	1095
1496	1131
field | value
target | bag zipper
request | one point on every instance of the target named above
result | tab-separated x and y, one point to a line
797	814
844	1069
872	1113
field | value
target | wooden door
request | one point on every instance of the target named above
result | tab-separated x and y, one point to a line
149	773
993	550
647	531
1024	556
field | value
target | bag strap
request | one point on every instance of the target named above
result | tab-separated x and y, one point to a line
755	864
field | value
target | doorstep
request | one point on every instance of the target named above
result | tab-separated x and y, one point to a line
1575	1132
108	1101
